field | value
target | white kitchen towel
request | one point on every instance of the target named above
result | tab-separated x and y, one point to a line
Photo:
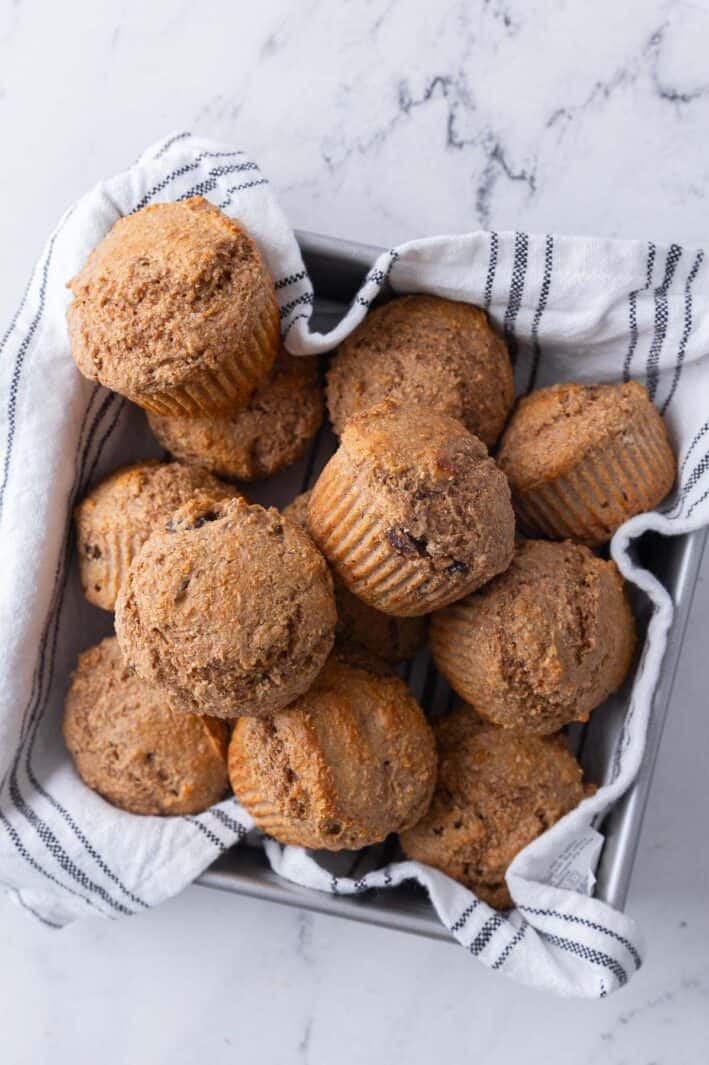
591	310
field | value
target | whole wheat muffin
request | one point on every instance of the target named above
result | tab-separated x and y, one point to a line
176	310
392	639
117	516
230	609
541	645
269	433
581	460
426	352
411	511
496	792
349	762
130	747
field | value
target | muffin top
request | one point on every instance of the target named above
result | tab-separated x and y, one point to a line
128	745
230	609
391	639
443	504
426	352
553	428
117	516
166	292
496	792
269	433
349	762
542	644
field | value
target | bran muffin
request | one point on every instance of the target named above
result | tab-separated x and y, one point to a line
496	792
581	460
229	609
130	747
541	645
117	516
176	310
349	762
268	434
391	639
426	352
410	510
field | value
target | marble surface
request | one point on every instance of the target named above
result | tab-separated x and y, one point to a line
378	120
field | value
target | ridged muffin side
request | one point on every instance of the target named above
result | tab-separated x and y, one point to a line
411	511
581	460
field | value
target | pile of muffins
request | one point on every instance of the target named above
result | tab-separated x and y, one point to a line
256	649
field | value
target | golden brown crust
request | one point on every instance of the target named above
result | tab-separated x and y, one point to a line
231	610
541	645
116	517
411	511
390	638
130	747
581	460
426	352
268	434
348	763
175	309
496	792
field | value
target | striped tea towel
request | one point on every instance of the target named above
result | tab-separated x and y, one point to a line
591	310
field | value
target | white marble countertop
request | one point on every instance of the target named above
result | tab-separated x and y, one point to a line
377	120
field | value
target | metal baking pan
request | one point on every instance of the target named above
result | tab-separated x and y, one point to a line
337	269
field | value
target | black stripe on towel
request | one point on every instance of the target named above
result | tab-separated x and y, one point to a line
686	331
230	822
304	298
180	171
486	933
19	363
241	188
541	307
633	310
589	954
209	183
467	912
207	832
661	318
491	269
289	279
519	935
514	299
572	918
169	143
696	503
24	853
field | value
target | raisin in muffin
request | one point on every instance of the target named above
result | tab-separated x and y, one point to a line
230	609
176	310
132	748
424	351
411	511
541	645
582	459
349	762
496	792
